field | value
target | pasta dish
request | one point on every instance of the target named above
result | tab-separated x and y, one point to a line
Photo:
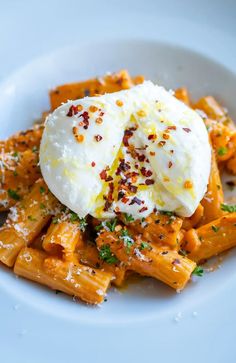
120	177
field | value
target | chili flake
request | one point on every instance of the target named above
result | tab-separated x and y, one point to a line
149	181
141	113
186	129
98	138
143	209
119	103
135	200
146	172
93	108
161	143
73	110
188	184
170	164
152	137
165	136
171	127
93	164
103	175
99	120
152	153
79	137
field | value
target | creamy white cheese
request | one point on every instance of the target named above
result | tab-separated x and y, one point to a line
131	151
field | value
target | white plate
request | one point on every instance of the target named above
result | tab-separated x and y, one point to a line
147	320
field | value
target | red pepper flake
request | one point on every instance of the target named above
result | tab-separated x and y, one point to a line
141	157
73	110
165	136
119	103
93	108
186	129
109	178
188	184
93	164
146	172
152	137
98	138
99	120
152	153
103	175
133	188
170	164
135	200
85	117
141	113
101	113
172	151
79	138
166	179
149	181
127	136
161	143
107	205
171	127
143	209
124	200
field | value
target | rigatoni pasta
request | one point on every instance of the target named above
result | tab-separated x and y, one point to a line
49	244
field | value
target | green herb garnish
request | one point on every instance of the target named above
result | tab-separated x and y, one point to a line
222	151
214	228
111	224
128	241
42	190
228	208
13	194
106	255
32	219
42	206
198	271
167	213
128	217
83	224
145	245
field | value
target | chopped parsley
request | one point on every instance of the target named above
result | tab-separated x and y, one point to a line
167	213
128	217
198	271
34	149
75	218
145	245
83	224
55	220
222	151
106	255
214	228
228	208
42	190
42	206
111	225
32	219
15	154
13	194
128	241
